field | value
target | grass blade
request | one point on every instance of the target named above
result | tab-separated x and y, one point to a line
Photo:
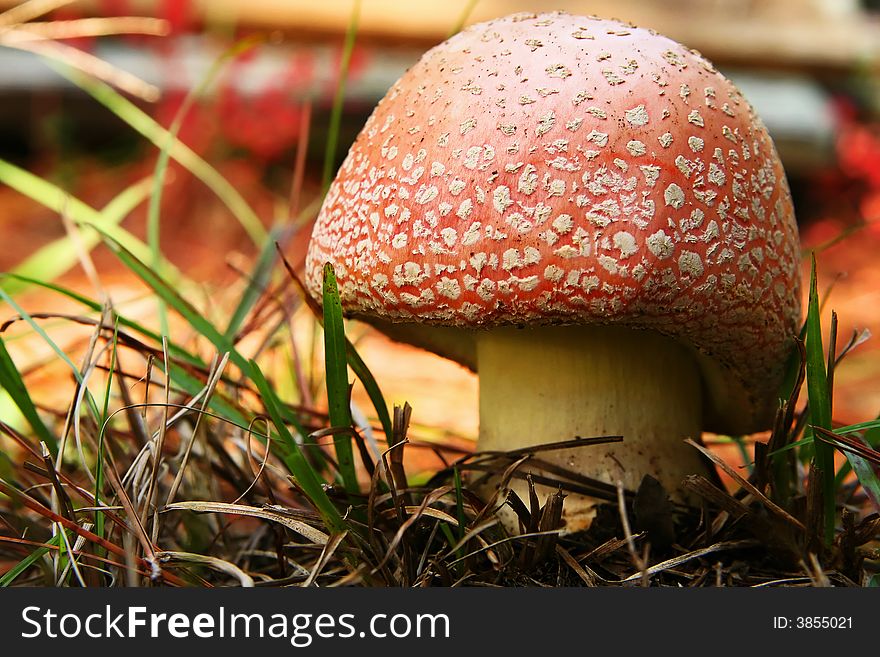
339	96
27	11
820	405
11	381
861	457
49	341
301	528
58	200
293	457
142	123
258	280
842	431
105	414
57	257
169	294
459	503
12	574
362	372
868	475
870	425
336	368
462	18
87	63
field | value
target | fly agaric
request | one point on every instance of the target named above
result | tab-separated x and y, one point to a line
595	220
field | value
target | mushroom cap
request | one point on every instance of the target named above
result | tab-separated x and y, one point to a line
560	169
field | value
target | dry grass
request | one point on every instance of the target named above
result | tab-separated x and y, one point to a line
193	492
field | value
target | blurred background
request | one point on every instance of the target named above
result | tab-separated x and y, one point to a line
811	68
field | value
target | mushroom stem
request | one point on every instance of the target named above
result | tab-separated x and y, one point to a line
549	384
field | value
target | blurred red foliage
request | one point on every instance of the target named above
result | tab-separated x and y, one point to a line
847	194
267	122
858	151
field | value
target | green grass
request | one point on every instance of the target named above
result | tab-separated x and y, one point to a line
817	443
336	375
299	467
12	382
819	396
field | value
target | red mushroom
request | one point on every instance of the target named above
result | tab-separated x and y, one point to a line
592	217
